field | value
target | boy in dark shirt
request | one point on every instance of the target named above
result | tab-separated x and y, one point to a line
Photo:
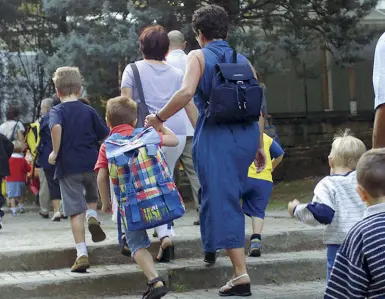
76	129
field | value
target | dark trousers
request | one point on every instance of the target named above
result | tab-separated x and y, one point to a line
2	201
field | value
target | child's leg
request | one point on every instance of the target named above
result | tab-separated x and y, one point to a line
257	224
255	201
164	233
92	195
138	241
331	256
75	206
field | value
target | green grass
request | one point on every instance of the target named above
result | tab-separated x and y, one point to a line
284	192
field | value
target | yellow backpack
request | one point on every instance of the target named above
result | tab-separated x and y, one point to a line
32	139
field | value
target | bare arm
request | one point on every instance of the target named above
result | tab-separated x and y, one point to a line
20	137
56	132
126	92
379	128
261	124
192	113
184	95
104	185
169	138
276	162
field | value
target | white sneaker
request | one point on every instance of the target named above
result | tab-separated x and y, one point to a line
56	217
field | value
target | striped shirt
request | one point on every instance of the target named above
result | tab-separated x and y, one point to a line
359	268
335	204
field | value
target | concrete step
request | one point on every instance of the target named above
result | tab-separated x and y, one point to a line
108	253
182	276
299	290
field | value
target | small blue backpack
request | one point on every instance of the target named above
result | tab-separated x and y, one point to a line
236	95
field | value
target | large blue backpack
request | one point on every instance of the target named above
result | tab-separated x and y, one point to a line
146	194
236	95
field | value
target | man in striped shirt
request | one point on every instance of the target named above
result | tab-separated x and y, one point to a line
359	269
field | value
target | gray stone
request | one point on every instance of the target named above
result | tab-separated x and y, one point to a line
181	275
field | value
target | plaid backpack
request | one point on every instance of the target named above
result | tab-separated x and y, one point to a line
146	193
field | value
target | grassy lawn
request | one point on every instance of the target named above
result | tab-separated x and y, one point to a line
284	192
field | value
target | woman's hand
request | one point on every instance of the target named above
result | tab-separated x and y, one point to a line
260	160
153	121
52	158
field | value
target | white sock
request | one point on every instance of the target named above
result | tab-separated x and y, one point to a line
91	213
21	206
13	210
81	249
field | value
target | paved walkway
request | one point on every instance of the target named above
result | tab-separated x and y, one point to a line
310	290
29	231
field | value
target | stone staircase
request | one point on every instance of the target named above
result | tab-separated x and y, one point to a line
293	256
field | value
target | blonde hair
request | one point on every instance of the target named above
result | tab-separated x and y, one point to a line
121	111
17	146
346	150
67	80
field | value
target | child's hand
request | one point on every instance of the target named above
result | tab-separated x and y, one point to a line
52	158
107	208
291	206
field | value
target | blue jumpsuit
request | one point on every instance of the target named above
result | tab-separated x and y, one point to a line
222	154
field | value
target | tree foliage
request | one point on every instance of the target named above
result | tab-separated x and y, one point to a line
101	36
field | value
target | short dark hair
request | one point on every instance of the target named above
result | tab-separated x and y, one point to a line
371	172
212	21
12	113
121	111
154	42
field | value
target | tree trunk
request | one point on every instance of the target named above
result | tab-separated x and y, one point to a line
352	89
325	79
352	83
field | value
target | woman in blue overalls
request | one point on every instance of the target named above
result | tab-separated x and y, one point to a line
222	153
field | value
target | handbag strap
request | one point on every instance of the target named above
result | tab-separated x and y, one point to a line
139	87
13	132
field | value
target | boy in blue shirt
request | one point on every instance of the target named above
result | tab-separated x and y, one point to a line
76	130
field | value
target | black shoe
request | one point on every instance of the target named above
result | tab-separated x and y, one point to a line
155	293
197	223
210	257
44	216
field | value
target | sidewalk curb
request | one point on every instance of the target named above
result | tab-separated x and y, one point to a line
108	254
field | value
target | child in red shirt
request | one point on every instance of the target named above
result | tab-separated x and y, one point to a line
15	182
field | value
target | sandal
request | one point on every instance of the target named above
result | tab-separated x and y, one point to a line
168	253
229	289
155	292
124	249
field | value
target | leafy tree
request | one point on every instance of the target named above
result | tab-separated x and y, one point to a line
26	36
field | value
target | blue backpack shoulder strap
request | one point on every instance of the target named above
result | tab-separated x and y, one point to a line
222	56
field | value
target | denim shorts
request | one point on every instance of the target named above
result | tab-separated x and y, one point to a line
137	240
15	189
